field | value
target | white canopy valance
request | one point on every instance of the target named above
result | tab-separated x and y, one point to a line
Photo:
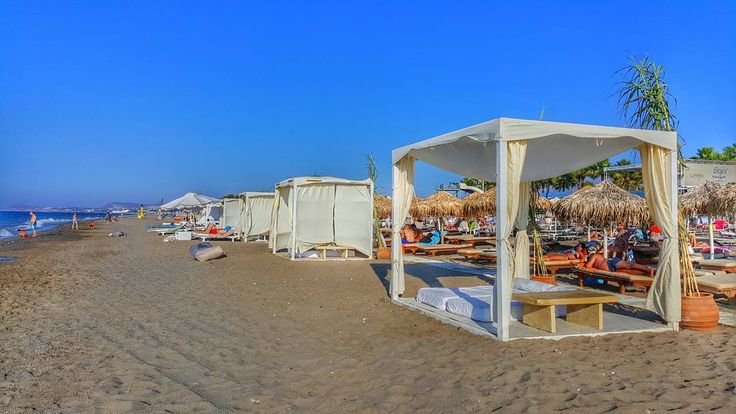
557	148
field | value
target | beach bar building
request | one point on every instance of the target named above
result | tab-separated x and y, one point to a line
322	213
513	153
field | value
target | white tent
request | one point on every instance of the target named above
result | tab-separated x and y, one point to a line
250	213
311	211
255	215
514	152
231	208
189	200
211	213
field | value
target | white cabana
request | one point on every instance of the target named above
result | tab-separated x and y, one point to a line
312	211
189	200
255	216
211	213
514	152
250	213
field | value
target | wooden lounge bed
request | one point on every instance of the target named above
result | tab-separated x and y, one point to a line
583	308
480	255
622	279
727	265
435	249
721	283
554	265
472	240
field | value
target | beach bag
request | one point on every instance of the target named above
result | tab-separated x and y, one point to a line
205	251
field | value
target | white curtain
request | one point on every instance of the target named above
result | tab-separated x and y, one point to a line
657	172
256	214
354	217
516	151
403	192
315	207
521	248
281	227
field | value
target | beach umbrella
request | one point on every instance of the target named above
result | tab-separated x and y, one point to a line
189	200
382	204
603	204
482	204
439	204
710	199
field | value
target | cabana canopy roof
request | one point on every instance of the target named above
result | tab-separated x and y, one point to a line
557	148
299	181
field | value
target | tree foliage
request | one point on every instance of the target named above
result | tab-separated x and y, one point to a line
710	153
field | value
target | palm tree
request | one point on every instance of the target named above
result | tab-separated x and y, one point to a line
708	153
644	99
729	153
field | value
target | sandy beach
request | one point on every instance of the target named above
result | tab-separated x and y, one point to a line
91	323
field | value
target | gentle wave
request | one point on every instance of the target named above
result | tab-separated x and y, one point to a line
5	233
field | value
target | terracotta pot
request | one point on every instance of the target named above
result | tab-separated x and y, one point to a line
545	279
700	313
383	253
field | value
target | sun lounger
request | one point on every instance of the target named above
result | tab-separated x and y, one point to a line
438	297
469	239
622	279
435	249
554	265
727	265
722	283
344	250
230	235
480	255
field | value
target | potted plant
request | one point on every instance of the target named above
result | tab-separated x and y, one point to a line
645	96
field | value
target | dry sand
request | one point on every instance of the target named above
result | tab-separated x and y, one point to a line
90	323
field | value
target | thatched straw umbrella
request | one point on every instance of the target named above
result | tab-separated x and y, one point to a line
382	204
711	199
603	204
439	204
481	204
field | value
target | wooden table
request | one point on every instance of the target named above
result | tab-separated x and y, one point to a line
342	249
583	308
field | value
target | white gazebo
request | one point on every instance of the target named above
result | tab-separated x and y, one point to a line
514	152
250	213
314	211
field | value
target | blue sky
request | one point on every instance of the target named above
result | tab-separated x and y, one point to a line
138	101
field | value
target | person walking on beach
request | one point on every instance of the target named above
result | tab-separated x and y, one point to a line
141	213
75	223
33	224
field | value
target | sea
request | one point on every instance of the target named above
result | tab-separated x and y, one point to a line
11	221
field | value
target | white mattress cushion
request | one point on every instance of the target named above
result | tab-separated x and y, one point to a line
529	285
438	297
479	308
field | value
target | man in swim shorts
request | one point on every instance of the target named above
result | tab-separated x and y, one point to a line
33	224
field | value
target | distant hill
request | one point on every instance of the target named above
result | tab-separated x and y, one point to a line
119	205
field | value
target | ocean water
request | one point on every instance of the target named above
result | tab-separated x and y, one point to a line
11	221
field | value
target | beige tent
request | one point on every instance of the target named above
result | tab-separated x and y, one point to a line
250	213
514	152
313	211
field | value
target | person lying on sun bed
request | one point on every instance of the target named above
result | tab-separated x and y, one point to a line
598	261
579	253
433	238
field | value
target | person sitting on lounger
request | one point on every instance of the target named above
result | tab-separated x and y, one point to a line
598	261
409	235
579	253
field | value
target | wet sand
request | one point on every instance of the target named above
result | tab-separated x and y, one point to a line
90	323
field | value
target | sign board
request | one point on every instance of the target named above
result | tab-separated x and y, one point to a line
698	172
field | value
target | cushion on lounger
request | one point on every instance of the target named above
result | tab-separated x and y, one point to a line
721	263
528	285
203	252
718	282
438	297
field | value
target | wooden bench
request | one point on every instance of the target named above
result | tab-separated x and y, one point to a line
554	265
623	280
342	249
727	265
583	308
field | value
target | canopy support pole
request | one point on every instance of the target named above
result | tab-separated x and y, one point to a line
675	185
293	221
710	237
501	290
588	232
